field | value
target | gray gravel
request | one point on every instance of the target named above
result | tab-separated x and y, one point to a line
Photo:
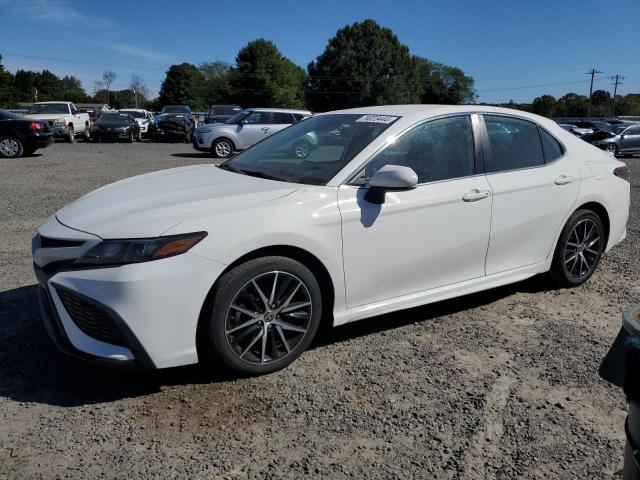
501	384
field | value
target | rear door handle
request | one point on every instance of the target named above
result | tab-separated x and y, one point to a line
475	195
563	180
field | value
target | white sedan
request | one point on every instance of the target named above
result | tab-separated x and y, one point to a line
397	206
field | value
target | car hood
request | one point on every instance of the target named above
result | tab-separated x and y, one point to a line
150	204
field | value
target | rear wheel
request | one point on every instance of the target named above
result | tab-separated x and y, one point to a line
222	148
265	314
579	249
10	147
86	135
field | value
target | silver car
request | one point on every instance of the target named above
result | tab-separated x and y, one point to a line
245	129
623	140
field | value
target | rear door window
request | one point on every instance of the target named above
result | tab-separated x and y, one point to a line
283	117
513	144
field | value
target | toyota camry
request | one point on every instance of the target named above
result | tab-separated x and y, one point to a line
395	207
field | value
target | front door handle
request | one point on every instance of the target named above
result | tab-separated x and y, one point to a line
475	195
563	180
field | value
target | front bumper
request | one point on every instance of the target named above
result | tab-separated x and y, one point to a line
154	307
59	130
113	134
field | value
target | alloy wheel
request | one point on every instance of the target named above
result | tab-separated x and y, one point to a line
268	317
583	248
9	147
302	149
223	149
612	148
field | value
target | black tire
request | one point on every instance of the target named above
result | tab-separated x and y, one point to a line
86	135
139	137
131	138
71	136
219	151
187	137
612	148
215	348
564	269
11	147
302	149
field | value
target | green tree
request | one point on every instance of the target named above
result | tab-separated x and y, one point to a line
572	105
7	91
544	105
263	77
443	84
24	82
217	87
183	84
71	89
364	64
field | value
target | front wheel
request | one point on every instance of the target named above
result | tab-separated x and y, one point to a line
579	249
86	135
265	314
71	135
131	137
302	149
222	148
612	148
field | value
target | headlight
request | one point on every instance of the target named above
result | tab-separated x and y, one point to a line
121	252
60	121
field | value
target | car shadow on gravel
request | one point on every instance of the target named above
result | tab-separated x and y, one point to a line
203	155
32	370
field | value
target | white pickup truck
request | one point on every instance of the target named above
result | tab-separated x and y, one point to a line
63	118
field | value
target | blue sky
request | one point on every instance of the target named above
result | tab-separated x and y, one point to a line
507	46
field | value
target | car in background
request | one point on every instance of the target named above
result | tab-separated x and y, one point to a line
20	136
174	127
63	118
575	130
246	128
237	265
594	125
622	140
143	117
222	113
117	126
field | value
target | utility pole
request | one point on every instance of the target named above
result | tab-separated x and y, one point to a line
591	72
617	82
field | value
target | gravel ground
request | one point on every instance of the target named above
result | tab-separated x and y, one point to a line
501	384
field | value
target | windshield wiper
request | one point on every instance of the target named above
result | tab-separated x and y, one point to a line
256	173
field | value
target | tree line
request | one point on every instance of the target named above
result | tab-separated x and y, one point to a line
363	64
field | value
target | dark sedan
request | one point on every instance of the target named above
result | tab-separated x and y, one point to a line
117	126
19	136
172	126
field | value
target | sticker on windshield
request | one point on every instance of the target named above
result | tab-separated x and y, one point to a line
377	118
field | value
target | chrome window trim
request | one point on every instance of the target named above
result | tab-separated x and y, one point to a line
358	170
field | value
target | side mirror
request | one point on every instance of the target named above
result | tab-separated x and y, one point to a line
390	178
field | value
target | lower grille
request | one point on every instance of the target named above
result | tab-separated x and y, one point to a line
90	318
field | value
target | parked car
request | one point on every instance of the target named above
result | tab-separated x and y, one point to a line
117	126
222	113
144	118
575	130
621	367
20	136
63	118
622	140
593	125
244	129
238	264
172	127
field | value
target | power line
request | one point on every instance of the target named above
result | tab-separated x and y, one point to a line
532	86
591	72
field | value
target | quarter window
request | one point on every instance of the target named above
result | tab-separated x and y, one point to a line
281	117
441	149
550	146
513	143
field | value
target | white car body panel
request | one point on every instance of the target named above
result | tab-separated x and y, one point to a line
420	246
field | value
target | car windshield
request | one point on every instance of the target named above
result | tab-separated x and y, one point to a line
39	108
237	117
134	113
176	109
313	151
113	117
224	109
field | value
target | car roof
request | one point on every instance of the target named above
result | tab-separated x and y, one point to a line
284	110
53	101
132	110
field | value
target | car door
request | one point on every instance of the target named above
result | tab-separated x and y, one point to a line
434	235
253	128
630	139
535	184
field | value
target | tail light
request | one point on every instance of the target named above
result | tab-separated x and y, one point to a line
623	172
36	126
